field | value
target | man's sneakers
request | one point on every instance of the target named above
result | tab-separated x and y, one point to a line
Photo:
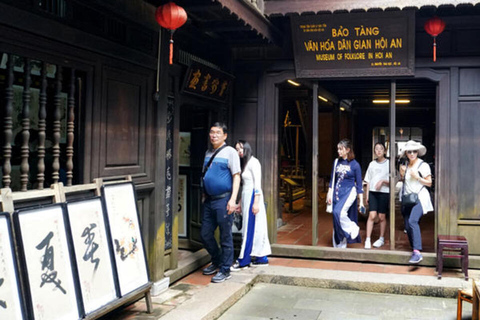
368	244
221	277
416	257
380	242
211	269
236	267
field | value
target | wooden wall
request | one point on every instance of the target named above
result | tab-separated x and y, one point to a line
122	129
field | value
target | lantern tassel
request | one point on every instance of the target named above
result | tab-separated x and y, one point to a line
434	49
171	47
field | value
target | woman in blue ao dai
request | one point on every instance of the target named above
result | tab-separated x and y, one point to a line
347	175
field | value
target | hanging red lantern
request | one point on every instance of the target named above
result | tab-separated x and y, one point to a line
434	27
170	16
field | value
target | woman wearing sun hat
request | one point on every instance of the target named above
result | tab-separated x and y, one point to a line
416	176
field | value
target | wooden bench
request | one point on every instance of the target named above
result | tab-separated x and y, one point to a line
294	192
456	244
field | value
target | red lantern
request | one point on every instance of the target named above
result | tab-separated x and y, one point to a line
170	16
434	27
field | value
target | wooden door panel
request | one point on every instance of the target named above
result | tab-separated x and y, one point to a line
126	123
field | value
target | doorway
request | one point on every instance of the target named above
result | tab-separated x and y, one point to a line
346	109
195	124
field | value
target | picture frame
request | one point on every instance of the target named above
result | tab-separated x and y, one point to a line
93	253
182	205
126	236
11	301
47	263
184	149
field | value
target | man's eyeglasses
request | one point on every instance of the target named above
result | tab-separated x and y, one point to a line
216	133
412	151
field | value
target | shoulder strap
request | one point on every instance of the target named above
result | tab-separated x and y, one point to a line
334	173
205	169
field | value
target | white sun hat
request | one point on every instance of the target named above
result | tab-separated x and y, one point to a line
414	145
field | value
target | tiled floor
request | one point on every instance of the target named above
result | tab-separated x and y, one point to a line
297	229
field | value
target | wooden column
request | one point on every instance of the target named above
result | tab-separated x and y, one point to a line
70	128
393	87
42	126
7	125
315	165
24	167
56	125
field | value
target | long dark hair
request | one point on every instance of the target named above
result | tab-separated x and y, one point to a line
347	144
247	152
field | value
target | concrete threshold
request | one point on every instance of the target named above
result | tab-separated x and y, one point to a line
211	301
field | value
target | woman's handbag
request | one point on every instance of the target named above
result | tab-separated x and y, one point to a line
238	220
409	200
330	206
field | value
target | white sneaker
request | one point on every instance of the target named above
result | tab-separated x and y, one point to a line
368	244
355	231
380	242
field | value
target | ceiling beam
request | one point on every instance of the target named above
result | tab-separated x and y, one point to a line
254	18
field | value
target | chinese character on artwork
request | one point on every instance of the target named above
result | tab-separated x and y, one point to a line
91	245
223	88
196	78
215	83
127	246
205	82
3	304
50	275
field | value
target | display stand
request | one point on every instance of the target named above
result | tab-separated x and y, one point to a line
11	201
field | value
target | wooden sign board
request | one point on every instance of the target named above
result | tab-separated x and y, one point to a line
354	45
11	302
96	271
126	236
207	82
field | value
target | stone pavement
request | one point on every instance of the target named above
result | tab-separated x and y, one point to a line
194	297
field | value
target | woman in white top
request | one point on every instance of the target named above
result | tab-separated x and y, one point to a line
416	176
255	241
378	194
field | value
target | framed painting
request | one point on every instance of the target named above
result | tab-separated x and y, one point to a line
93	254
47	263
182	205
126	236
11	302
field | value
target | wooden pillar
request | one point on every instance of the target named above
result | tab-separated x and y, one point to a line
393	87
25	149
8	125
56	125
70	127
315	165
42	126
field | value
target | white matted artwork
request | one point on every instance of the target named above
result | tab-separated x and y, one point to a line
11	305
184	149
93	255
47	264
126	236
182	205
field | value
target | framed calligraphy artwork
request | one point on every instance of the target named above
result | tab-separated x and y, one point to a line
11	302
47	263
93	253
124	226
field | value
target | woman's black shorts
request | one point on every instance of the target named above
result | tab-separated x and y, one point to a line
379	202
